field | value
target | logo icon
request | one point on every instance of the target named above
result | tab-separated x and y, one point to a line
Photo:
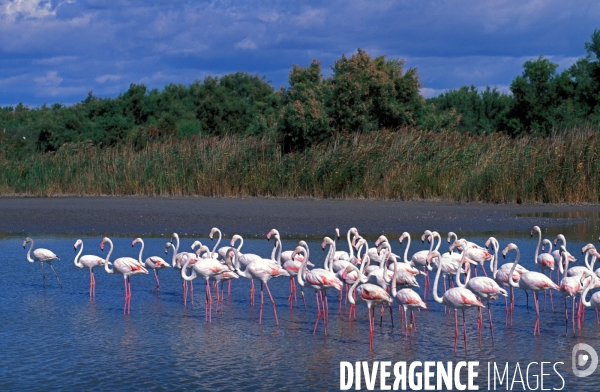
580	357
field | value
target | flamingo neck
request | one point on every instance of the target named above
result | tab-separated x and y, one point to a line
406	250
106	267
511	281
538	245
29	252
350	244
302	268
184	274
212	252
141	251
76	261
436	297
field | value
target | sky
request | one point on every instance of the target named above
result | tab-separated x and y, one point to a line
58	51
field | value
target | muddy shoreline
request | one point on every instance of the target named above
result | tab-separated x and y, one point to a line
255	216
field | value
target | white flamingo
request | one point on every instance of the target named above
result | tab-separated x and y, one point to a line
90	262
43	256
125	266
154	263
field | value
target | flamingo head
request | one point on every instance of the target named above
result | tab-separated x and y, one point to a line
326	241
272	232
508	248
587	248
77	243
136	241
235	238
104	241
337	233
536	229
173	237
167	246
426	234
381	238
212	232
28	239
403	236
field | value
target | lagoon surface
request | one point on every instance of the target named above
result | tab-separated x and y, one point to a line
56	338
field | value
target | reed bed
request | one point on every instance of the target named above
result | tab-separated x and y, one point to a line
403	164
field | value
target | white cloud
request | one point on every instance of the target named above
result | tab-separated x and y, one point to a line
50	80
58	60
246	43
107	78
35	9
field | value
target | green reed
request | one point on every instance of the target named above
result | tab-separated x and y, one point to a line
403	164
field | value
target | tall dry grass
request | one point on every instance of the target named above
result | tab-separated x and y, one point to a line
404	164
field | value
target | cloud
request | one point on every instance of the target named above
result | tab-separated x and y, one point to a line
55	60
68	46
35	9
51	79
246	43
107	78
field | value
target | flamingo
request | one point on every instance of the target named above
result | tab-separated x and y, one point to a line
419	259
205	268
556	252
543	261
291	262
529	281
43	256
244	259
177	263
570	286
369	293
125	266
407	299
88	261
457	298
154	263
502	274
319	279
484	288
594	301
263	270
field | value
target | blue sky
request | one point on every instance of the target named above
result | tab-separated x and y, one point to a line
58	51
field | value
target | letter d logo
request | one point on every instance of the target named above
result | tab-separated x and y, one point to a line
582	359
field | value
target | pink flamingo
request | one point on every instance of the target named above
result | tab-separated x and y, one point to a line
43	256
570	286
154	263
88	261
484	288
594	301
205	268
320	280
125	266
291	262
556	252
419	259
530	281
457	298
263	270
369	293
244	259
407	299
177	263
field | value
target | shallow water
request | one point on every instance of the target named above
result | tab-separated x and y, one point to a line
58	339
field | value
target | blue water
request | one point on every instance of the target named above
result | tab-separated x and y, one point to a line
57	339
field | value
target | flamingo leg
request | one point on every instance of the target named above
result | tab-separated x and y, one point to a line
490	317
91	282
273	302
326	311
465	331
43	273
391	315
318	312
157	282
261	303
125	297
303	298
597	321
455	329
252	292
229	288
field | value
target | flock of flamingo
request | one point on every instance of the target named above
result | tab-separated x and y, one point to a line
372	275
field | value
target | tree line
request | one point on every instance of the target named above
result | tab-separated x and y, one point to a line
363	94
